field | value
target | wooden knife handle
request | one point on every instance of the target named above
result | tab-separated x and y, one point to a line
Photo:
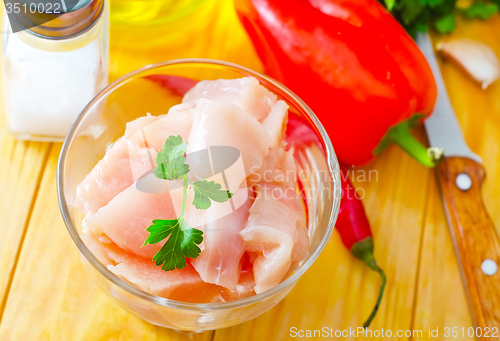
476	242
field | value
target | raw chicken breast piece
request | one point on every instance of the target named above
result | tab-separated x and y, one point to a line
152	131
279	168
246	283
136	125
276	232
97	248
122	164
235	130
301	247
223	247
275	123
227	125
125	219
246	93
180	284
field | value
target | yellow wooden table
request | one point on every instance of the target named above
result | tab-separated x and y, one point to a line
45	293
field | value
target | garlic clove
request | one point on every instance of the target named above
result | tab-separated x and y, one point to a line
474	57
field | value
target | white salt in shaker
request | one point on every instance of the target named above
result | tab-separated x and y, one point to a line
51	71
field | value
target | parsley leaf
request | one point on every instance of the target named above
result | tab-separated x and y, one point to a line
160	230
171	161
446	24
183	240
421	15
181	244
189	241
480	10
205	191
389	4
431	3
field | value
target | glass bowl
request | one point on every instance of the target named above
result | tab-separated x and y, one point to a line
132	96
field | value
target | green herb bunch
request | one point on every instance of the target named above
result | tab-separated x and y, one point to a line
420	15
183	240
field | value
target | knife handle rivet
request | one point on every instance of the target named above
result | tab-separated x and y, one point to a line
489	267
463	181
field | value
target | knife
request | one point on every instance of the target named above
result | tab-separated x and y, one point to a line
460	177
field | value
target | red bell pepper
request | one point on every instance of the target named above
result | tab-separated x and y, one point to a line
353	64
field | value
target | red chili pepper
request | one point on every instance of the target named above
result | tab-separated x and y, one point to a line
352	222
355	233
177	84
353	64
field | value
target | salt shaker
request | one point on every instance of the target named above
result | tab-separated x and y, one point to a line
51	71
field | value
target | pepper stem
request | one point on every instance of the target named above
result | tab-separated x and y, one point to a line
401	135
364	251
380	294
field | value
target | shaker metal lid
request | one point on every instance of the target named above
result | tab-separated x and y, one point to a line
53	19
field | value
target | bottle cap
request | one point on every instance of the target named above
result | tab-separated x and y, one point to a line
54	19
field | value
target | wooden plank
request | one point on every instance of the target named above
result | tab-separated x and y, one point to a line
53	298
21	166
441	300
339	291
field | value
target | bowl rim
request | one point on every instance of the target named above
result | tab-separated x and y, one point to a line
331	159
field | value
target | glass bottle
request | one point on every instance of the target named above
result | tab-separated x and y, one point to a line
145	32
52	70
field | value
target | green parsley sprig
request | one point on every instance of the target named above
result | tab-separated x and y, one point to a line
183	240
420	15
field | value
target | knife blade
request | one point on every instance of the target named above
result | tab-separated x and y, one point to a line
460	177
442	126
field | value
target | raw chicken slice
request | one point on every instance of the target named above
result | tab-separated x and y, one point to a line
152	131
181	285
136	125
301	247
223	247
278	168
245	285
125	219
235	130
181	108
275	123
246	93
123	163
227	125
97	248
276	231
